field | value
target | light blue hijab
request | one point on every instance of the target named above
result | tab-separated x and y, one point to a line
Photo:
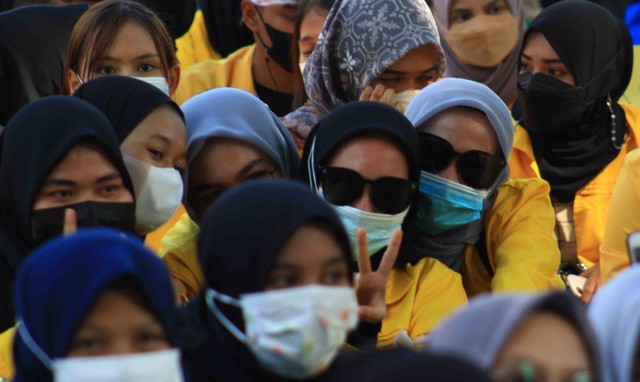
615	315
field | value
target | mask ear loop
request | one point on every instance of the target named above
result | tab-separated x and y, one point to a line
33	345
212	295
311	168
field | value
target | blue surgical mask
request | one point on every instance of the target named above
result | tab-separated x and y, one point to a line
159	82
379	227
445	204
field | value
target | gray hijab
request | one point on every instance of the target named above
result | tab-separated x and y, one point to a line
503	78
359	41
236	114
479	331
449	247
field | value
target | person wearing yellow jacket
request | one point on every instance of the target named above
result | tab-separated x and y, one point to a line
497	233
622	218
571	130
194	46
264	68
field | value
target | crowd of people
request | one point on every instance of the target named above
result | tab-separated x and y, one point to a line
319	190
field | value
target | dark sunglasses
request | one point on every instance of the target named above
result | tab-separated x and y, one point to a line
477	169
389	195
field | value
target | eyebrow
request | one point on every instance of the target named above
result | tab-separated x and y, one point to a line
141	57
109	177
58	182
160	137
549	61
290	266
249	166
391	71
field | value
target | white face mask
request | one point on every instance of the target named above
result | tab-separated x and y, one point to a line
158	366
405	97
159	82
295	332
302	65
379	227
158	193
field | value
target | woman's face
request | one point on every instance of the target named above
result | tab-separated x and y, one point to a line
539	57
413	71
546	345
84	174
465	10
466	130
159	140
132	54
372	157
310	257
116	325
310	29
222	164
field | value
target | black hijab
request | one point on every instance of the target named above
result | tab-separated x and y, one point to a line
125	101
241	237
358	119
597	50
177	15
33	49
225	29
34	141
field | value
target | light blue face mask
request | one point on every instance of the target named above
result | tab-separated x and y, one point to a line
445	204
379	227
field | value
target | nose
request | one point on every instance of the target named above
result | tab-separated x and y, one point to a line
123	347
450	172
364	202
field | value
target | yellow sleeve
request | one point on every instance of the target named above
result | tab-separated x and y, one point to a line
194	46
439	293
178	250
632	94
195	80
522	248
7	369
622	218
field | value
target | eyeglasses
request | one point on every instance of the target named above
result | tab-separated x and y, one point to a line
389	195
477	169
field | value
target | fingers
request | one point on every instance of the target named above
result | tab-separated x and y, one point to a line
391	254
366	94
589	289
364	263
387	97
378	94
70	225
372	314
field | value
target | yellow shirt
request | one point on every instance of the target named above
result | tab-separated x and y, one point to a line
233	71
152	241
632	95
194	46
591	201
7	369
521	248
623	218
418	298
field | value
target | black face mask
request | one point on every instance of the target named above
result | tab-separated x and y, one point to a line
281	44
49	222
550	106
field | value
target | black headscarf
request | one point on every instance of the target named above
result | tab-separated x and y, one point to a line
125	101
226	31
177	15
358	119
597	50
34	141
617	7
33	49
241	237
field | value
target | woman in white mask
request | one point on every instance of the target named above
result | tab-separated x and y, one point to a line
153	139
278	300
481	41
95	306
363	158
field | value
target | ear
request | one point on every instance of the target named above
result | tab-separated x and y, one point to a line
73	82
249	15
174	79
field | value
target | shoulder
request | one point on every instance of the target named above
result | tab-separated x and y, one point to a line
184	233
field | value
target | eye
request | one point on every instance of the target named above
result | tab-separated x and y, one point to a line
497	9
282	281
110	189
460	16
261	174
146	67
87	345
556	72
60	194
524	68
150	337
156	154
107	70
334	277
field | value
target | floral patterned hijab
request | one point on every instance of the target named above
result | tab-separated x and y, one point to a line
360	40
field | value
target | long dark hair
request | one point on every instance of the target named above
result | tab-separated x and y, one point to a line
306	6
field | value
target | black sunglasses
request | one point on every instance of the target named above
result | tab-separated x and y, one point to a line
477	169
389	195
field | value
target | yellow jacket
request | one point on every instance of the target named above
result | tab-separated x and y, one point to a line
233	71
194	46
591	201
154	238
7	369
632	95
521	248
418	297
623	218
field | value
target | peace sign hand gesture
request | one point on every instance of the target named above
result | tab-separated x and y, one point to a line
371	286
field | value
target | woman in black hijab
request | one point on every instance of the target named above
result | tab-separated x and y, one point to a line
152	134
278	300
575	63
58	153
